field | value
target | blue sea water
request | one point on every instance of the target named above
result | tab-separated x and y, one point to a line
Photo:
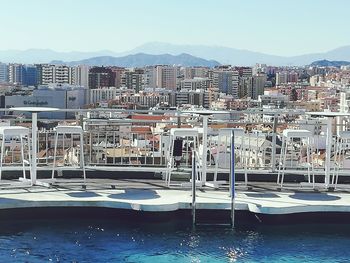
116	241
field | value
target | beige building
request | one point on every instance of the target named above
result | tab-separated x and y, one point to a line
167	77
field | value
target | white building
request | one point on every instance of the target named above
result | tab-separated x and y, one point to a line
150	77
314	80
276	100
195	83
80	76
62	96
103	94
281	78
60	74
15	73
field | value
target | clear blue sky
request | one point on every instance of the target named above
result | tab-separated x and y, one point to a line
281	27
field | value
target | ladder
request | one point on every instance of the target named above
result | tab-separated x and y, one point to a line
232	186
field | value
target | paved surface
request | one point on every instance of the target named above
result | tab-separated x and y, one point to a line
152	195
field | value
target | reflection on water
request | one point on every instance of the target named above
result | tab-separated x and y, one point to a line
117	241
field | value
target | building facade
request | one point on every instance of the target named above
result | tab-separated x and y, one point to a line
101	77
4	73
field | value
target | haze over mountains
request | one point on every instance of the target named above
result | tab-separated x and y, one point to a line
223	55
141	60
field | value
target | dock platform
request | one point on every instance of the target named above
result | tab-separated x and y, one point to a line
154	196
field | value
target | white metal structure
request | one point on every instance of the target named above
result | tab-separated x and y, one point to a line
330	117
190	135
293	150
34	111
72	130
14	132
341	146
223	144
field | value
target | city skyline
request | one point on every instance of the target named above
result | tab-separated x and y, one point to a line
120	26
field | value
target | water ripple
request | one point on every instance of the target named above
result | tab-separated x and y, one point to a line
110	241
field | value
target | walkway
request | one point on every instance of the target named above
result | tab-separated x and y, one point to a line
152	195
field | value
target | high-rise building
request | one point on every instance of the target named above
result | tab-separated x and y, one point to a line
3	73
293	77
259	81
314	80
59	74
133	79
119	74
80	75
29	75
25	75
15	73
167	77
195	72
281	78
101	77
244	72
226	81
150	77
195	84
245	84
102	94
190	97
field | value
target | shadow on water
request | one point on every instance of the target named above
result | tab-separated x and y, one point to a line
135	194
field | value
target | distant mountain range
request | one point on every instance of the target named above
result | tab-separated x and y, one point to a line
327	63
223	55
141	60
46	55
226	55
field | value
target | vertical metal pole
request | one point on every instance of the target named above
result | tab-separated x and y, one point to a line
47	146
81	120
22	156
2	153
204	154
274	135
328	151
82	157
34	145
54	155
193	187
232	179
90	147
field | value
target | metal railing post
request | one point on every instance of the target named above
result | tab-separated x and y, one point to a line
274	138
232	179
81	120
204	154
193	188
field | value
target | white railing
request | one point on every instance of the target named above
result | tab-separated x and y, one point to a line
113	139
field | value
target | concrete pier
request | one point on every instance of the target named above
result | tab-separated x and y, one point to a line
153	196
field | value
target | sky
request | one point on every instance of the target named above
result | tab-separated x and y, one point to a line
278	27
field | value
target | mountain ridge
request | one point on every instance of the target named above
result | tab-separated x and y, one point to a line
328	63
224	55
143	59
